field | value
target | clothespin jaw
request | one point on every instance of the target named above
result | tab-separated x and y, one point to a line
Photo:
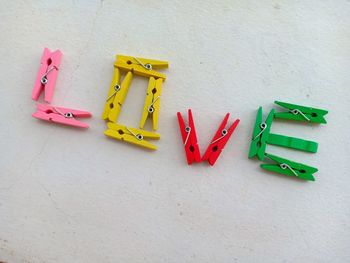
47	75
301	113
290	168
116	95
152	102
189	138
261	133
219	141
131	135
61	115
141	66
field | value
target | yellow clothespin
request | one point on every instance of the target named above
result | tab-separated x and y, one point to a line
131	135
141	66
116	95
152	102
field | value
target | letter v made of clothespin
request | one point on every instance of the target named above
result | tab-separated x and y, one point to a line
219	140
47	75
189	138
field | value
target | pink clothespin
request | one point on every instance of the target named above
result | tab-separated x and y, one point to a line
61	115
219	141
47	75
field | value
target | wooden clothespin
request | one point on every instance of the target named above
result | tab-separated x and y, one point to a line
131	135
219	141
61	115
141	66
47	75
300	113
189	138
116	95
290	168
152	102
260	135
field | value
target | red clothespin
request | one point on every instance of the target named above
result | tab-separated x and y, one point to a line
219	141
47	75
189	138
61	115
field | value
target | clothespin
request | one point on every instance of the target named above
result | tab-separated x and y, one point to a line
131	135
189	138
219	140
152	102
290	168
262	136
116	95
301	113
61	115
291	142
47	75
141	66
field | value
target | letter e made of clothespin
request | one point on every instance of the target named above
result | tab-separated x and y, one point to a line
47	75
219	140
189	138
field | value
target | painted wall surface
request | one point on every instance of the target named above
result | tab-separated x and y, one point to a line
68	195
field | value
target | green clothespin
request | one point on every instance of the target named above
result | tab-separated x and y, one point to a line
293	143
286	167
301	113
262	136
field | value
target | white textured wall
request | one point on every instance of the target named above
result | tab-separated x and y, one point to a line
76	196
